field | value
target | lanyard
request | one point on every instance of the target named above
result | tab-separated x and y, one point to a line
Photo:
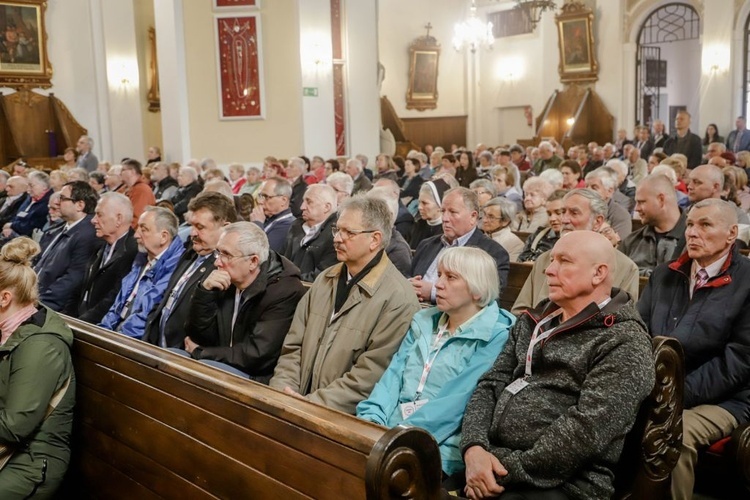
282	218
436	346
536	337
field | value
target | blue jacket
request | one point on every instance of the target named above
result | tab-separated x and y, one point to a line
150	291
464	358
31	215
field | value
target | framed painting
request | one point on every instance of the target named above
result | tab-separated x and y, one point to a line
240	67
234	4
24	61
424	56
576	41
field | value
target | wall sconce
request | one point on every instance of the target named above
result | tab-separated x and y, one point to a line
716	59
570	121
122	73
511	69
315	51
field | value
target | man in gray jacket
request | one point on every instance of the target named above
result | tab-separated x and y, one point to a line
548	421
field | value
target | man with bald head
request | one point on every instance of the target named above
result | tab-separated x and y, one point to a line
707	181
662	237
16	189
684	141
581	360
702	299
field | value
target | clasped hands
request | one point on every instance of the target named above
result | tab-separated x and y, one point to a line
482	472
422	288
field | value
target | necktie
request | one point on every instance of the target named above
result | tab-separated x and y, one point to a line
701	278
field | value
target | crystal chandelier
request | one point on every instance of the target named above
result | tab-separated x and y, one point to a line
533	9
473	32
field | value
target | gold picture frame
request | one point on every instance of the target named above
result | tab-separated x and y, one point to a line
576	42
24	61
424	58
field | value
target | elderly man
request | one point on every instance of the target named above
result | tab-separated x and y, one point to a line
404	219
189	187
32	214
165	186
361	182
702	299
582	364
398	250
139	192
643	142
273	213
518	157
547	158
684	141
637	166
62	265
739	138
106	269
584	209
113	180
15	189
240	313
662	237
625	190
309	243
86	158
715	150
144	286
707	181
659	135
603	180
296	170
209	213
351	322
342	184
460	210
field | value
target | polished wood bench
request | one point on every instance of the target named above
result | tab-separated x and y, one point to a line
517	275
153	424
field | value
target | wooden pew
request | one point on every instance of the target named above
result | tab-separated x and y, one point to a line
642	282
153	424
519	271
522	235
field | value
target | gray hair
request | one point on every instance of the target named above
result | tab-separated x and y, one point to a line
40	177
207	164
382	192
375	215
252	240
253	168
726	209
342	181
390	186
546	145
597	205
219	186
484	184
605	174
5	175
299	163
616	165
281	187
190	171
324	193
120	202
477	269
553	176
538	184
237	167
354	162
666	171
508	209
82	174
469	197
164	220
88	140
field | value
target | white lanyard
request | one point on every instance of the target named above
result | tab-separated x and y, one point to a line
282	218
537	338
436	346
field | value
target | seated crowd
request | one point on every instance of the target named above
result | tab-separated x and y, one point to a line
376	292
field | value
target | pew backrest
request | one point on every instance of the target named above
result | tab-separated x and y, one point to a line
517	275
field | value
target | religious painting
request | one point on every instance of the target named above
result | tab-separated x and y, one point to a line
424	55
228	4
240	76
576	42
23	45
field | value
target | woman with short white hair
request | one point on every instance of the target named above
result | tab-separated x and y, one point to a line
447	348
534	215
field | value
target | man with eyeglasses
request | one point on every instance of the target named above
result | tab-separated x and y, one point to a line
351	322
273	214
62	264
209	213
241	312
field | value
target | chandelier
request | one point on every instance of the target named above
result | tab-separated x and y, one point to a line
533	9
473	32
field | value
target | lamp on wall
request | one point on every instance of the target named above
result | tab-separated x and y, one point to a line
533	9
716	59
472	32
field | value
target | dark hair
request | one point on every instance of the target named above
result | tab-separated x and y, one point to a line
134	164
97	176
400	163
450	158
573	165
306	160
470	156
335	165
707	140
72	150
247	204
218	204
81	191
557	194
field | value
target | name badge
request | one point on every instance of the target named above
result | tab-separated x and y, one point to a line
22	214
408	409
517	386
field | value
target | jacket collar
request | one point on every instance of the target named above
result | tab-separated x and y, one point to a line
684	262
481	327
370	283
676	233
619	299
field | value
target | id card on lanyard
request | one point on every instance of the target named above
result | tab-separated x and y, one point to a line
407	409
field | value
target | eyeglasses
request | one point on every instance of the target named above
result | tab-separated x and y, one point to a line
349	233
491	217
264	196
65	198
227	257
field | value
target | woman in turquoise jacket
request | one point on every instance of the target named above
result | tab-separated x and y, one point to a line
446	350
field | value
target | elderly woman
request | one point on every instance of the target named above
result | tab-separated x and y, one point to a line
37	385
447	348
572	172
498	215
505	180
237	177
739	179
484	189
57	179
252	181
535	194
430	221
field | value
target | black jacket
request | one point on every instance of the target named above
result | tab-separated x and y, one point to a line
298	194
183	197
174	329
10	212
399	253
691	146
713	328
163	185
421	231
62	268
428	250
316	254
404	221
102	284
266	310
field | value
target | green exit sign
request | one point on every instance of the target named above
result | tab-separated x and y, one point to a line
310	91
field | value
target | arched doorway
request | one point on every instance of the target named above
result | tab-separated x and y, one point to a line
668	38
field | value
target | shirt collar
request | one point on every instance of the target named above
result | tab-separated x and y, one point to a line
712	269
460	241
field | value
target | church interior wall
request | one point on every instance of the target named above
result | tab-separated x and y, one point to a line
144	19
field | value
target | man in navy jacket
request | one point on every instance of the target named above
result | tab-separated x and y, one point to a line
703	300
62	265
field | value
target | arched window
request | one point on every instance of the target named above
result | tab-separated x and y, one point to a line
673	22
